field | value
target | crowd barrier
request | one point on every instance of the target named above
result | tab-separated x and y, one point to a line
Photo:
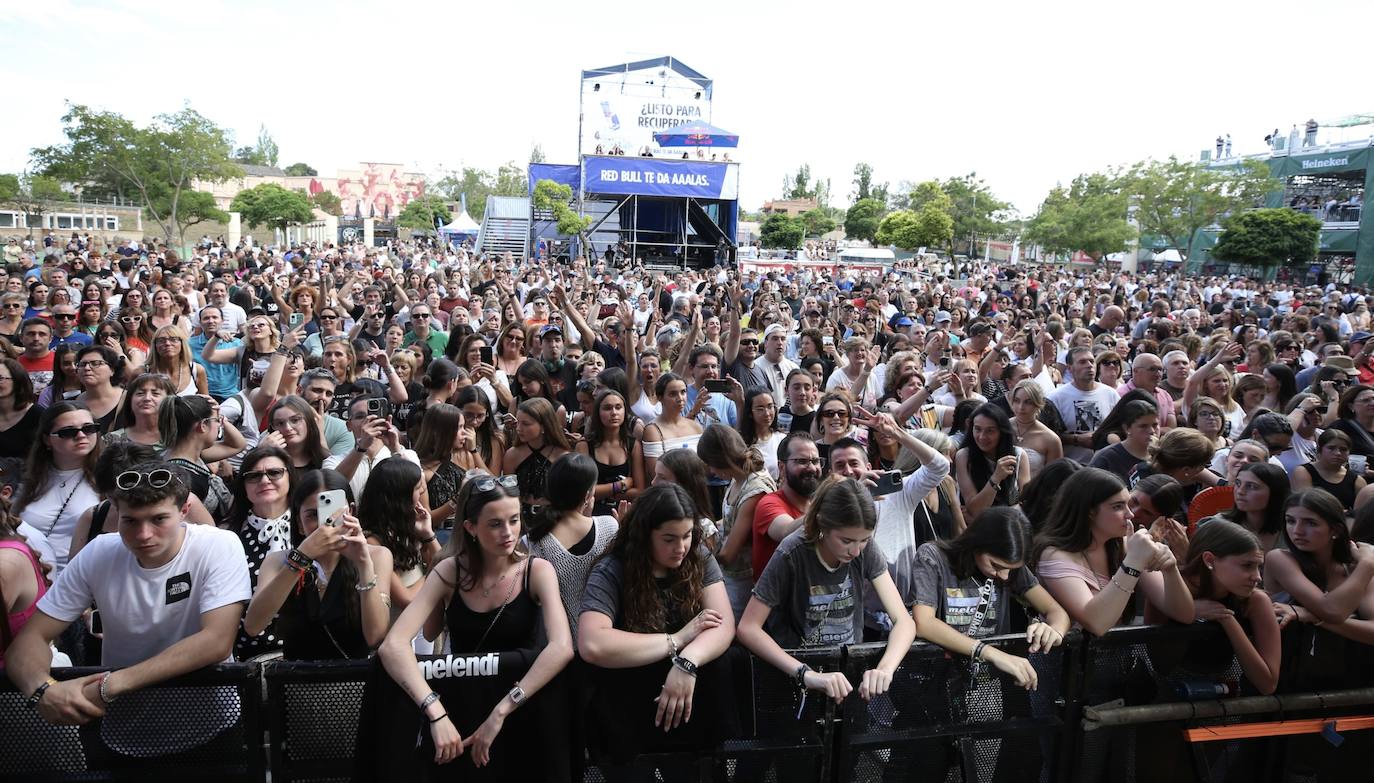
1128	700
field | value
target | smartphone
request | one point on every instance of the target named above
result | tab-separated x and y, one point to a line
828	340
486	355
378	407
295	320
945	360
96	625
889	482
331	504
717	385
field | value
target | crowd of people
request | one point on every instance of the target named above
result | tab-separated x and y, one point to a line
322	453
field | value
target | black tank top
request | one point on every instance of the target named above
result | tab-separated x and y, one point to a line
509	628
606	474
1343	491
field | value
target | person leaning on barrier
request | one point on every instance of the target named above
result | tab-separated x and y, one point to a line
307	589
1090	557
961	591
171	595
491	597
655	622
811	593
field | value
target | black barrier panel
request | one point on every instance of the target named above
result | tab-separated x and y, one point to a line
307	715
213	716
313	722
944	719
785	738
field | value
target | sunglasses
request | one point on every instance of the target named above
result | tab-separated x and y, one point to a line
64	316
834	414
129	319
748	342
69	433
271	474
489	483
157	479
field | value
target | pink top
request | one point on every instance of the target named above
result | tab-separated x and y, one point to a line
1067	569
19	618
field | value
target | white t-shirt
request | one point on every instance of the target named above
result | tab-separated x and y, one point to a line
146	610
839	380
57	523
1083	411
1301	451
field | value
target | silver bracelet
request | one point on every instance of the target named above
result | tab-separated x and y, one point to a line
364	588
428	700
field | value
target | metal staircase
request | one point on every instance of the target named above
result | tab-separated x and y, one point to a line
505	226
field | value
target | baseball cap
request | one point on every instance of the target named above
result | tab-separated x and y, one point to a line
901	322
550	329
943	315
1360	337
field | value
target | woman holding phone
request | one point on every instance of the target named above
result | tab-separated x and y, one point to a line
306	589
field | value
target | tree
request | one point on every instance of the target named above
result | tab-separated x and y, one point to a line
862	219
817	222
553	197
1267	237
9	187
197	207
799	185
425	213
263	153
1177	198
272	205
31	194
977	212
300	170
928	226
1089	215
537	154
782	231
864	187
477	184
327	202
109	155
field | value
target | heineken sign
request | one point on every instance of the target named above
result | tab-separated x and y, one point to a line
1325	163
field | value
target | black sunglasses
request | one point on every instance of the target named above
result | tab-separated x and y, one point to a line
69	433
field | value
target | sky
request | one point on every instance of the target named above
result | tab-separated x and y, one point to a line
1025	94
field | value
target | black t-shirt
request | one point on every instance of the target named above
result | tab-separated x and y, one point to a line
1116	459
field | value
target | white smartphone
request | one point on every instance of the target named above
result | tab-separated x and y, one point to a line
332	503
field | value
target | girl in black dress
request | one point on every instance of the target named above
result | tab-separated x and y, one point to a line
335	607
492	597
611	444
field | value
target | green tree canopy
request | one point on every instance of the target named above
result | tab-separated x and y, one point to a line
864	187
817	222
272	205
1089	215
929	226
554	197
9	187
108	155
262	153
425	213
300	170
508	180
1268	237
198	207
862	219
799	184
782	231
1177	198
328	203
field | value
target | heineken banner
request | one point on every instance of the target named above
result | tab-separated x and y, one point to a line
1320	163
634	176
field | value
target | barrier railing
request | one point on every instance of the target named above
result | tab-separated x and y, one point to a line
1100	703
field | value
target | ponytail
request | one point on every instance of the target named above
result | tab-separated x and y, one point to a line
177	416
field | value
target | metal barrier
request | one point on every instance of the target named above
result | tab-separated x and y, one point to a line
942	719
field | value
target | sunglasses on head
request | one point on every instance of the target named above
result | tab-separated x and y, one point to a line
69	433
157	479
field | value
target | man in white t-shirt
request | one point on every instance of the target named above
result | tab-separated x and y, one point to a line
375	439
170	595
1082	403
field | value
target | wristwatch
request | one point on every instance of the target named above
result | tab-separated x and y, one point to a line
517	695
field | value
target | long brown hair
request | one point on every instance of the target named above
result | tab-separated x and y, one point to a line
643	607
1222	539
39	467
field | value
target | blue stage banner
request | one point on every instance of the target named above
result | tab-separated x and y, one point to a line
657	177
562	173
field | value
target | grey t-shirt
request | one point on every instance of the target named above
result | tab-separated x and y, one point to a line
812	605
955	601
605	586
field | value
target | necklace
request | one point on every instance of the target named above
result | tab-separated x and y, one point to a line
487	590
1016	430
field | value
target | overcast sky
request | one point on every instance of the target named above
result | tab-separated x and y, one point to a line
1025	94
